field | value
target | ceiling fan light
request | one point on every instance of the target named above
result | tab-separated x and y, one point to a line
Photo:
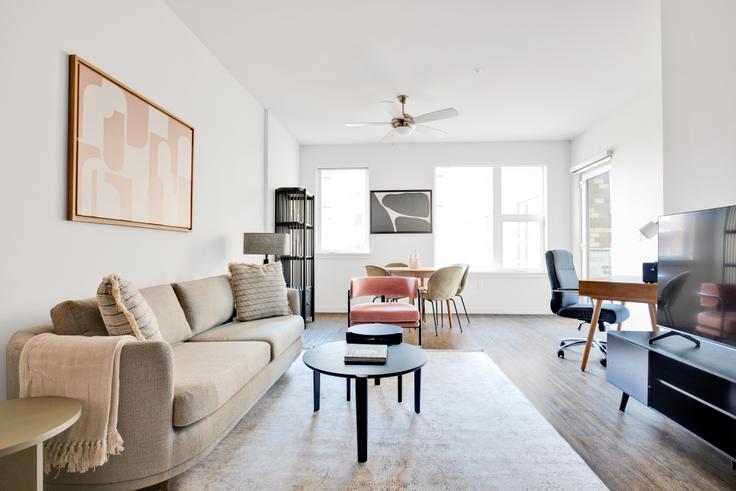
404	130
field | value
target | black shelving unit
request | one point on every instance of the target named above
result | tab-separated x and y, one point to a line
294	215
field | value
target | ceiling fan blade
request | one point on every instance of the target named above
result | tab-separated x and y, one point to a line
388	136
370	123
430	130
392	109
450	112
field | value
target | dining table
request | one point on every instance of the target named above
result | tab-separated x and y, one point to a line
422	272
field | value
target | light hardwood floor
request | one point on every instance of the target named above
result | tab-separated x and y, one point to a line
639	450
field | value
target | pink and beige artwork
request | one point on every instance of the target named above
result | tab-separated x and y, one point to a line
132	161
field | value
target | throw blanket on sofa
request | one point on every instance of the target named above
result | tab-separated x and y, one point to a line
83	368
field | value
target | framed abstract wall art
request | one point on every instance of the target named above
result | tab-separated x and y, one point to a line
131	162
401	212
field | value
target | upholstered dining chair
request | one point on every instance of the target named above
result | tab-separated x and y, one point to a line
400	314
442	288
396	265
371	270
460	289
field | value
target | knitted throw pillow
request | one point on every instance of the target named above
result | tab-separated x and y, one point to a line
124	310
259	291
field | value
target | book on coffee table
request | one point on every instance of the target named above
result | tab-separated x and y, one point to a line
366	354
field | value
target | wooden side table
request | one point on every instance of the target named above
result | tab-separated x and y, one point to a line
24	425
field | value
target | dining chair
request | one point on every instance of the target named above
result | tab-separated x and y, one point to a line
371	270
460	289
442	288
399	314
397	265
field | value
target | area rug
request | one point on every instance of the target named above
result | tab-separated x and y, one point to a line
475	431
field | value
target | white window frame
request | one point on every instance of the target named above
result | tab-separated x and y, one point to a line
318	204
499	218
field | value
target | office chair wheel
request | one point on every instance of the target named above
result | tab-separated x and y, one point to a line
604	362
560	354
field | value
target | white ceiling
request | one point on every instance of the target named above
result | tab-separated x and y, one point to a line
549	68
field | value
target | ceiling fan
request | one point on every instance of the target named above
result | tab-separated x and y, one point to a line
404	124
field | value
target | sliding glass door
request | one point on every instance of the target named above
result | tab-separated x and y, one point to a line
596	208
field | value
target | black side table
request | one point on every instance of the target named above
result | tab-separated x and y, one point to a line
329	359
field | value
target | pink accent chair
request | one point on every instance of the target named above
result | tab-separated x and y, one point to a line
400	314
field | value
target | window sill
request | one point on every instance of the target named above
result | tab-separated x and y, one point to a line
342	255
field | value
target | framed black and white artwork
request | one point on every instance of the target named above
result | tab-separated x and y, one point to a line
401	212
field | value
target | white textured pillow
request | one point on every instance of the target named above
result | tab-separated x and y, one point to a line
259	291
124	310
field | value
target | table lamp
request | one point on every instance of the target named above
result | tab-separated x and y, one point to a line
266	244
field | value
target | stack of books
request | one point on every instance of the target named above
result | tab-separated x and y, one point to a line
366	354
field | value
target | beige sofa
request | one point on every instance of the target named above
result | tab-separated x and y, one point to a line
181	396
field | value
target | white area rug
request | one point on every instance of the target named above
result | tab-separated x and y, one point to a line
475	431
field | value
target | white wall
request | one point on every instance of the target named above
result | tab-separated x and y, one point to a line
411	166
46	259
634	133
699	103
282	163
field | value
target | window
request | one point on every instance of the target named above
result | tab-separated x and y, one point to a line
491	217
343	198
596	211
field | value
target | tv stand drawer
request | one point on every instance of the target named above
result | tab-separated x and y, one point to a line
713	390
713	425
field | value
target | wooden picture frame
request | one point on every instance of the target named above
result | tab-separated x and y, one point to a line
415	212
130	161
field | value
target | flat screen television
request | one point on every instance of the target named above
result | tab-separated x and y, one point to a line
696	273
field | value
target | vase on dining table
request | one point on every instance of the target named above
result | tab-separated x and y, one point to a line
414	260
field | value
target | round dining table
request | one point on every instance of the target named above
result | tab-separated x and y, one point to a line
422	272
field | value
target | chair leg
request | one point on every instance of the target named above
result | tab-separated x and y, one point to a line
464	309
434	316
442	313
568	343
457	314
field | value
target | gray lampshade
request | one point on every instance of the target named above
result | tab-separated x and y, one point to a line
266	243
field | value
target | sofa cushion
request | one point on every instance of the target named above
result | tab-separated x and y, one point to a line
259	291
207	302
83	318
171	319
125	311
78	318
278	332
207	375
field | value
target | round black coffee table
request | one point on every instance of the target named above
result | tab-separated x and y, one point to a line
329	359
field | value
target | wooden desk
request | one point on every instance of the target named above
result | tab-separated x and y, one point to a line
616	290
421	273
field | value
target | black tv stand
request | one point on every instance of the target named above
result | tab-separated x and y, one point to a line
692	385
674	333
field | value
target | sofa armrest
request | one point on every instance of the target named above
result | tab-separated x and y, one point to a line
145	407
294	302
12	357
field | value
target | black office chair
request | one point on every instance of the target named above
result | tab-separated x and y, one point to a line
565	301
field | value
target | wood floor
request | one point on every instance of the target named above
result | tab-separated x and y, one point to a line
639	450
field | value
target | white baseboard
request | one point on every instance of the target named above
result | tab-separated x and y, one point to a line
499	311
